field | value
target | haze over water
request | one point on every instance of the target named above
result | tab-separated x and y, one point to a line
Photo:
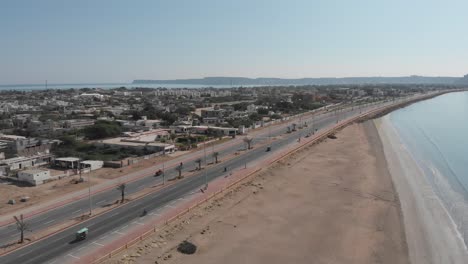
435	131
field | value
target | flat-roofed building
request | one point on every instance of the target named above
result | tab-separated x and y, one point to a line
34	177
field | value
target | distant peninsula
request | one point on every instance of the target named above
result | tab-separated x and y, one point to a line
239	81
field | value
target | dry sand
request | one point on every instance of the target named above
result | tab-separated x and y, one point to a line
330	203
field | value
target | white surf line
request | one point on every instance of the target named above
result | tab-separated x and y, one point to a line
73	256
76	211
98	244
48	222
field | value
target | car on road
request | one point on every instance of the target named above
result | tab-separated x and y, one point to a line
268	149
81	234
158	172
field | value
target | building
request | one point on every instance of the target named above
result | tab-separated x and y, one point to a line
124	142
67	163
14	146
34	177
90	165
78	123
19	163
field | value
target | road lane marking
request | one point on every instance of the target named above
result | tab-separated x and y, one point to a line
104	237
48	222
98	244
78	249
53	262
155	214
103	201
76	211
138	223
125	226
168	205
117	232
73	256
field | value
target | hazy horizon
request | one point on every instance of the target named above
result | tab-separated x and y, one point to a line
120	41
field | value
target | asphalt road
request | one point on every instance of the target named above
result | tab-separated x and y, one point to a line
62	242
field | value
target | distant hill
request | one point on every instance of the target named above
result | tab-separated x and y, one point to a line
239	81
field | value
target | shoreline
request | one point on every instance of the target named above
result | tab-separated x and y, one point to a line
431	234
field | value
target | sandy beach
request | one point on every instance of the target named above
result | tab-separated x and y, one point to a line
333	202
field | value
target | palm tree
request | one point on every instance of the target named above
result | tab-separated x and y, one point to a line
121	188
179	169
248	141
199	161
21	226
215	155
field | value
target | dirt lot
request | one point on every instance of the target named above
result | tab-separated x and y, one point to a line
331	203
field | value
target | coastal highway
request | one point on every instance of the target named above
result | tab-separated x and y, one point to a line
62	242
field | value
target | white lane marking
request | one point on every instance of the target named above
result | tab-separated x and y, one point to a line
76	211
104	237
53	262
103	201
117	232
134	205
73	256
138	223
98	244
125	226
115	214
80	248
181	199
168	205
48	222
155	214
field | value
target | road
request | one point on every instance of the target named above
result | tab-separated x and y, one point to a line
62	242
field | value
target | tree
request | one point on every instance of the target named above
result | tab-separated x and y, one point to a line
179	169
248	141
21	226
198	161
215	155
121	188
103	129
173	136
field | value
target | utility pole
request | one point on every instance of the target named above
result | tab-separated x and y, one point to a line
204	171
89	194
163	173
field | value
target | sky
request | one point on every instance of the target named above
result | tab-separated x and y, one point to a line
109	41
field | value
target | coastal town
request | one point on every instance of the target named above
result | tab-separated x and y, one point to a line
52	134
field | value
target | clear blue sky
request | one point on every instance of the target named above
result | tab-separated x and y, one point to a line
68	41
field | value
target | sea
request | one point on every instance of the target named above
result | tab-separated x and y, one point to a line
435	132
32	87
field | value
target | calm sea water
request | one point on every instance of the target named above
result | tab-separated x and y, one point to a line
30	87
436	134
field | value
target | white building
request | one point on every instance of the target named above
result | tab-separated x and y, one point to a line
90	165
34	177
